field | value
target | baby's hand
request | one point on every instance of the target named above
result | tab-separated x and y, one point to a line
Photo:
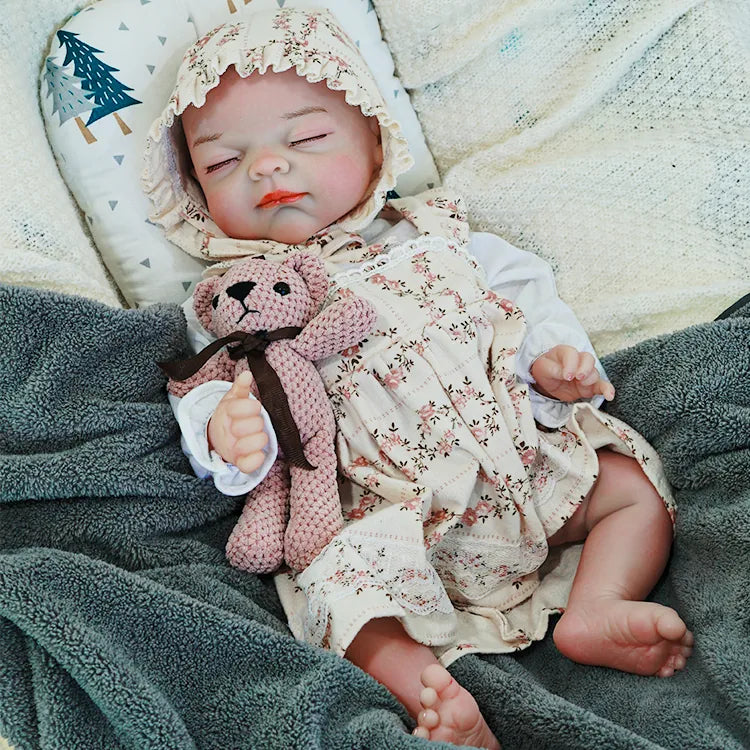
566	374
235	430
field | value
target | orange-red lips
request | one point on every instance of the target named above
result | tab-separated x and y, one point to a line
278	198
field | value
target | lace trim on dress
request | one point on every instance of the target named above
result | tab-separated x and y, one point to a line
472	568
398	253
358	564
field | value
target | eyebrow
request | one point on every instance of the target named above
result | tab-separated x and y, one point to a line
303	111
206	139
286	116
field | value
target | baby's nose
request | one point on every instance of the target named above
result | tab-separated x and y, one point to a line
267	164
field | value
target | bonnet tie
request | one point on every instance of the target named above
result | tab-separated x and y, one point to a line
252	347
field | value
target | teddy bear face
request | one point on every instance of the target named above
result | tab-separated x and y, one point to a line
260	296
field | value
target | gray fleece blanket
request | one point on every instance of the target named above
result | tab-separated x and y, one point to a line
122	626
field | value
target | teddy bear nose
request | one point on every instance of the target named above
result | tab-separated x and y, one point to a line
240	290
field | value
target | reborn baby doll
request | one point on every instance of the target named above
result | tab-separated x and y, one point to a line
469	441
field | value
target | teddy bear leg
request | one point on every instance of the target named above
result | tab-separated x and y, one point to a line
315	515
256	543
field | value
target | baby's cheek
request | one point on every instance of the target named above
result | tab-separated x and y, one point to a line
230	213
220	211
349	177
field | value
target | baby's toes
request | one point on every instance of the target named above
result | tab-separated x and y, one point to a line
671	627
428	719
428	697
436	677
673	664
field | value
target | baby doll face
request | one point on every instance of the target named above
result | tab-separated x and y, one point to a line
279	157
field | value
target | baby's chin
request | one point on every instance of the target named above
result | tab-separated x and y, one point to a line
288	233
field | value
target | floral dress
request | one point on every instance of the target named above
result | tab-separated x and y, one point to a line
450	489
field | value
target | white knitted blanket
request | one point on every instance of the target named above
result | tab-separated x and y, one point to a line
43	240
609	137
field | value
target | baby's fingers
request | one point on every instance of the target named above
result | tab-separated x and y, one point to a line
251	463
569	360
241	386
606	389
246	426
586	372
546	368
250	444
241	408
588	378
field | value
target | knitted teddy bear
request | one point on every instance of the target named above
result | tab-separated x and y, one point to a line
266	315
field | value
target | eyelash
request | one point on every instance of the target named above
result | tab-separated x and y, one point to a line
214	167
311	138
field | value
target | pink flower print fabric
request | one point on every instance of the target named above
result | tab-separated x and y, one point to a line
450	491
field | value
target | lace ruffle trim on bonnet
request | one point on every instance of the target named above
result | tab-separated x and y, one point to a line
311	42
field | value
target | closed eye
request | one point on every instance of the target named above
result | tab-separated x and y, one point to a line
310	139
219	165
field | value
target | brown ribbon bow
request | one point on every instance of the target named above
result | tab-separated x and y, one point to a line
252	346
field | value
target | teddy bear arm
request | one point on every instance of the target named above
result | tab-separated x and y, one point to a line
219	367
339	326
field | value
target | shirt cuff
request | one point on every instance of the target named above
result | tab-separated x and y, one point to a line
553	413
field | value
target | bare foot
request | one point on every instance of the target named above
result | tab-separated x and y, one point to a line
450	712
639	637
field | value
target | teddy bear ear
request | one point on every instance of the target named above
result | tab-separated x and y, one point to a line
202	300
313	272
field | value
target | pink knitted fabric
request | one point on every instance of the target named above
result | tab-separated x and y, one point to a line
293	513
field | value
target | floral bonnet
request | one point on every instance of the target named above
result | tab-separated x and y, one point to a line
311	42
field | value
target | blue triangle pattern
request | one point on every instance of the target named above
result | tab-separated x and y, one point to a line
118	158
146	263
113	205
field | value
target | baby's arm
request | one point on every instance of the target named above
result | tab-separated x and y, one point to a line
528	281
195	414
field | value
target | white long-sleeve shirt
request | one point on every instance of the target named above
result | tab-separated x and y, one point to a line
515	274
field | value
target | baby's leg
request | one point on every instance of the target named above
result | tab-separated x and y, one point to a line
628	536
443	710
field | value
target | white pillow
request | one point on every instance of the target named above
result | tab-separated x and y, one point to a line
128	52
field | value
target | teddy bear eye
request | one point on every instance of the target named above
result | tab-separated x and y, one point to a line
282	288
215	302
